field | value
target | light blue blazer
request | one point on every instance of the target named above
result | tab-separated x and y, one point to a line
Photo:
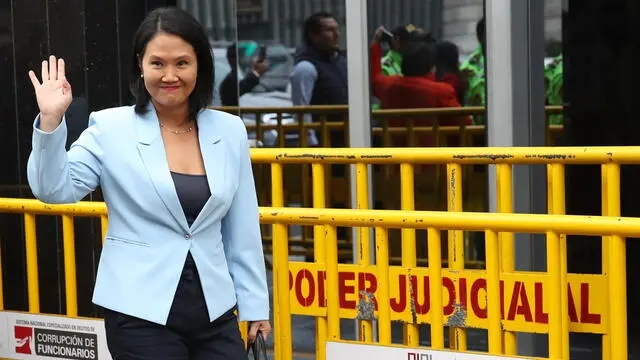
148	237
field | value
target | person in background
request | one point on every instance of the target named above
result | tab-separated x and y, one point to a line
474	72
319	76
392	61
448	69
183	248
414	89
230	89
554	80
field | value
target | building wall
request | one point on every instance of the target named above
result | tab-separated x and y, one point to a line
459	18
281	20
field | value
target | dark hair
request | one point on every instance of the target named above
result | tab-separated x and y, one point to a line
447	58
481	29
313	25
447	62
174	21
232	53
401	33
418	60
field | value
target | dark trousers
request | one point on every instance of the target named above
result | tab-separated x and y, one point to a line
188	334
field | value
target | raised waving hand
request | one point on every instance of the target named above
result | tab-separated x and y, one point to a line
53	93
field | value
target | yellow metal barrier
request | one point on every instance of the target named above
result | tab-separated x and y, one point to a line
586	312
500	262
441	297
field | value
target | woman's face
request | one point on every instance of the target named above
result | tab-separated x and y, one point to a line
170	69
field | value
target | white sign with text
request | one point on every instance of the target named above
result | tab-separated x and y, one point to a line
39	337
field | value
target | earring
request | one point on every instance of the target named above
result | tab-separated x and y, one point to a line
142	75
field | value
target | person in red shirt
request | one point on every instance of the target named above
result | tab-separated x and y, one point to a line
413	90
448	68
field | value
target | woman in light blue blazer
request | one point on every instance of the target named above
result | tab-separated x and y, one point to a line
183	248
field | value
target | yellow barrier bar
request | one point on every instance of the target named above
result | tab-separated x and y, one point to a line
281	271
104	225
324	109
457	336
504	177
555	290
607	210
333	298
493	292
318	179
435	288
462	155
70	284
557	207
617	272
469	221
531	223
407	181
364	240
382	267
31	250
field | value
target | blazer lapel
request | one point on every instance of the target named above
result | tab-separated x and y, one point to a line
151	149
214	155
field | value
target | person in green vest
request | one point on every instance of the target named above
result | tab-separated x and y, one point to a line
553	78
474	71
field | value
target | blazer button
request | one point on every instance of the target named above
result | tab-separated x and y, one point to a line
187	236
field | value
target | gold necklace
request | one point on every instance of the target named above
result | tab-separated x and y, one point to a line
176	132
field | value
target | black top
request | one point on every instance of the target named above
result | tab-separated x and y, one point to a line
193	192
189	309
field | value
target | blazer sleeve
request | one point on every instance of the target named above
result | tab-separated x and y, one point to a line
60	177
243	243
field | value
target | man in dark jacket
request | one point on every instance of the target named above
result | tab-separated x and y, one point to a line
319	76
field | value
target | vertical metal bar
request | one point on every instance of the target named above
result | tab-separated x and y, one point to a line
104	225
31	249
333	298
557	207
382	265
282	309
70	284
407	194
555	295
319	251
504	202
457	336
606	266
493	293
281	133
617	271
363	238
435	288
303	130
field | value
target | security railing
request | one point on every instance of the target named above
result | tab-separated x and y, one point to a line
610	319
552	302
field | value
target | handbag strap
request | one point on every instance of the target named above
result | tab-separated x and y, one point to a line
258	346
